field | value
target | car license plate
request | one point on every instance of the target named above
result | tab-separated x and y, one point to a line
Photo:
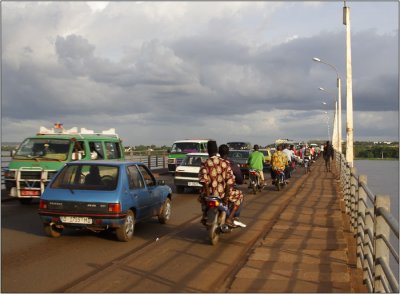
30	193
76	220
194	184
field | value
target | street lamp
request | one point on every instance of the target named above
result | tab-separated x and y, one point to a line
327	122
335	135
349	88
339	95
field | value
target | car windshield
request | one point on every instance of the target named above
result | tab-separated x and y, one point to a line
38	148
193	160
87	177
185	147
238	145
238	154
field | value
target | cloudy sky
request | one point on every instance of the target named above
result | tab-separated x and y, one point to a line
163	71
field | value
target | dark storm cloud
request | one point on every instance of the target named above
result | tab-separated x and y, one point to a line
187	72
75	53
195	76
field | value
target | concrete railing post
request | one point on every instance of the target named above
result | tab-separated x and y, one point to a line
382	230
353	196
368	246
347	185
361	208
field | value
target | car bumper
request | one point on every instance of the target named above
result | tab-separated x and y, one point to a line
94	220
187	182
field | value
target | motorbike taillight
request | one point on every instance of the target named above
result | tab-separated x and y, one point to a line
213	203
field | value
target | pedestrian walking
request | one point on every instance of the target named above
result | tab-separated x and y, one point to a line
328	155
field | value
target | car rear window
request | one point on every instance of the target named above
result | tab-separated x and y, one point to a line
87	177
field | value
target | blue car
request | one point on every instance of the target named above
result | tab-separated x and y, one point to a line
102	195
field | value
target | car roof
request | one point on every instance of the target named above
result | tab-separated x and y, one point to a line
192	141
240	150
104	162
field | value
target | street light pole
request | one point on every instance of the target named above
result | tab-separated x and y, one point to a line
339	95
335	134
349	88
327	122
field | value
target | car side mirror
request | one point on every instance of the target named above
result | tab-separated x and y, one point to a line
161	182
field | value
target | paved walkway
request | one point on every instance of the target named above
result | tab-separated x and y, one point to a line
308	248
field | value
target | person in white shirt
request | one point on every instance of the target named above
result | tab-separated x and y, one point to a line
288	154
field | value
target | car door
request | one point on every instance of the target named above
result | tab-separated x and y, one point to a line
138	193
151	184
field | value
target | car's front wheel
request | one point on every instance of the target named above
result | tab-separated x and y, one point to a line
125	232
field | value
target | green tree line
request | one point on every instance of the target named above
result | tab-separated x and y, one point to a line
361	151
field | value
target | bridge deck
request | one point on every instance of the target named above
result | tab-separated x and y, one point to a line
309	247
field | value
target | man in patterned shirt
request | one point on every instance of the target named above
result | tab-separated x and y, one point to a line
217	177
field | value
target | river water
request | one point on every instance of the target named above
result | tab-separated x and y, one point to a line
383	179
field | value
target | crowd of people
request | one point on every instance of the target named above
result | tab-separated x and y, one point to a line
219	176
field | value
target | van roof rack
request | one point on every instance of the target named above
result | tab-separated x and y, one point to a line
59	130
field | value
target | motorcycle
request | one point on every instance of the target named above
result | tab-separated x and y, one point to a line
280	179
307	163
254	179
217	212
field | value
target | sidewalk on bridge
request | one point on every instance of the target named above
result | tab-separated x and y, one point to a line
307	249
303	248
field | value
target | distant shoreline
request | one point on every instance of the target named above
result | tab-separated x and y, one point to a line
375	158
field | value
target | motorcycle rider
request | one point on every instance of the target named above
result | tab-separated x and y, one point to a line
288	168
256	162
307	155
279	161
216	177
235	195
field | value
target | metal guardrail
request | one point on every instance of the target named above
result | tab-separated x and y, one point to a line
151	159
374	228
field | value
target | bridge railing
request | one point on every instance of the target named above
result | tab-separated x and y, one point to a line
374	229
153	159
